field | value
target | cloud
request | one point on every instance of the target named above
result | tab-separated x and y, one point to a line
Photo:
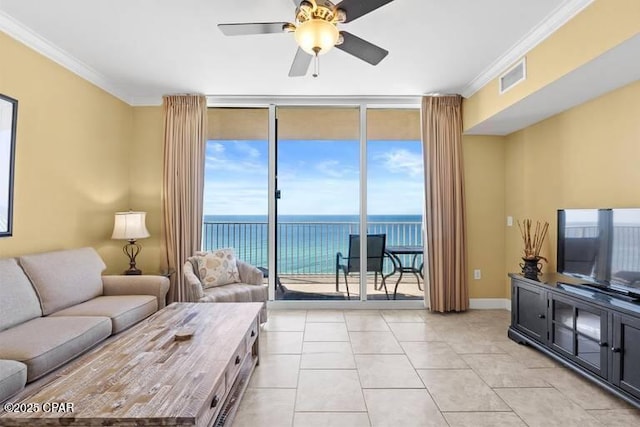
246	148
334	169
216	147
402	161
234	156
222	164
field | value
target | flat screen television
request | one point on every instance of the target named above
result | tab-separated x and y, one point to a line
601	247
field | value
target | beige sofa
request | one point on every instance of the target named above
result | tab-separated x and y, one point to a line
55	306
250	288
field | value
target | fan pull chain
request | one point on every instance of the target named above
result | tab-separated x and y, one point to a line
316	67
316	62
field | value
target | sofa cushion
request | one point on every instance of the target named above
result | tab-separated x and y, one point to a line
13	377
218	268
64	278
123	311
45	343
18	299
236	292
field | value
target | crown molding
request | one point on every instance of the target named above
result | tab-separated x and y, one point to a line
145	101
556	19
26	36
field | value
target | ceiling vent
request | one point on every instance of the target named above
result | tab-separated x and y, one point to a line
513	76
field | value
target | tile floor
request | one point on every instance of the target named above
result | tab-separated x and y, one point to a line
402	368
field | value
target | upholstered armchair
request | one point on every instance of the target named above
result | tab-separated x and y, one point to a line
249	289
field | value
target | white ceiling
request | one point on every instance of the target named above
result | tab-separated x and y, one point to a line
141	49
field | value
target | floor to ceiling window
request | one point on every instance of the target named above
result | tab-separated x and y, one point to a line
330	181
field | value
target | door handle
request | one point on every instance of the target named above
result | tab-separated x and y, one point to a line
541	316
278	194
602	344
616	349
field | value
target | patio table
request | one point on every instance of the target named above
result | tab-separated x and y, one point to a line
394	253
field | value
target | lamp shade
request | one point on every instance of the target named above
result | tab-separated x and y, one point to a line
130	226
316	34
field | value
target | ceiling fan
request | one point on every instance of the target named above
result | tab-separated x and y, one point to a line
316	31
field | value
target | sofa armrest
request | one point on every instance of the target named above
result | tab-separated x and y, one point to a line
192	283
249	274
157	286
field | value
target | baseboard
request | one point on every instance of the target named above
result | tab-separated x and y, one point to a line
490	304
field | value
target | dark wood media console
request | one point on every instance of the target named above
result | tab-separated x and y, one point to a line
594	333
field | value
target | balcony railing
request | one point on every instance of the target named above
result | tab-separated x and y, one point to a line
311	247
303	247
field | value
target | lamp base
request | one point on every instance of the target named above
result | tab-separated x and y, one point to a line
133	272
132	249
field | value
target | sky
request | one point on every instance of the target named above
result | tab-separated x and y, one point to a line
315	177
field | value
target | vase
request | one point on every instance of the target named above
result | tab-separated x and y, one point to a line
531	267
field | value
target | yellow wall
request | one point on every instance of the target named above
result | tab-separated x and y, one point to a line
600	27
71	171
586	157
484	169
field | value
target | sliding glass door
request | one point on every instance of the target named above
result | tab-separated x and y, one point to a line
318	204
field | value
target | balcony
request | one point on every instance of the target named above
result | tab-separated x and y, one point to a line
307	255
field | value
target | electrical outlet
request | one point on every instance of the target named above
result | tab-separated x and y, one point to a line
509	221
477	274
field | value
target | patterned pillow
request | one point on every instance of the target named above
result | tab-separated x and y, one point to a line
218	268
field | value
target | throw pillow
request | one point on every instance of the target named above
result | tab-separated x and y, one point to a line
218	268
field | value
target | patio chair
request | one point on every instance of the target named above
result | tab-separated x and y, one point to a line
351	264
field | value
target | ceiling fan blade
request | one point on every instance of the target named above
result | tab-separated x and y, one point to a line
362	49
252	28
356	8
300	64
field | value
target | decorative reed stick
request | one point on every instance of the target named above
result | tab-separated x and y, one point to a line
533	243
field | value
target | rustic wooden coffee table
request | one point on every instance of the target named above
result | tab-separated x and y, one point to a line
146	376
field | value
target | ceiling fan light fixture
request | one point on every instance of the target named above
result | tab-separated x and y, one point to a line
316	36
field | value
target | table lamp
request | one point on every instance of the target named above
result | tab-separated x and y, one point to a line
130	226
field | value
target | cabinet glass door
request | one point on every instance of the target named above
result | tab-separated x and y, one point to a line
562	326
579	332
626	353
589	335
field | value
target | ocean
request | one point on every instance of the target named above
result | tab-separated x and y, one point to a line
306	244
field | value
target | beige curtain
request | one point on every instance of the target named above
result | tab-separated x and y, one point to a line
445	237
185	130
